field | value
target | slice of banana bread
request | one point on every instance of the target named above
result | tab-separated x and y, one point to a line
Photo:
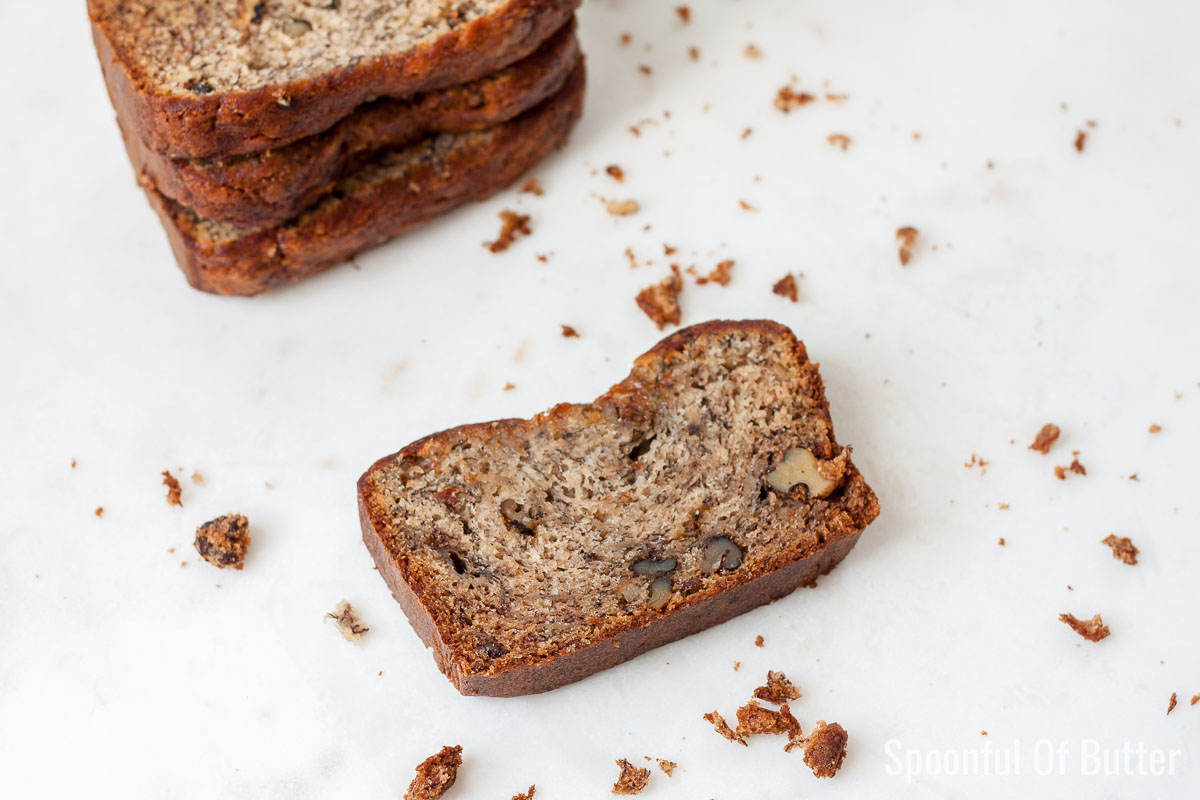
200	78
398	191
532	553
262	189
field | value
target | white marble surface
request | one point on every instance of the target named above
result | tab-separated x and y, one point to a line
1063	287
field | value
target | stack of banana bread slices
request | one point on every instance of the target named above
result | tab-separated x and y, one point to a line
278	138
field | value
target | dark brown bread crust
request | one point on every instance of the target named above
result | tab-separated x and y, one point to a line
230	123
857	507
331	232
264	189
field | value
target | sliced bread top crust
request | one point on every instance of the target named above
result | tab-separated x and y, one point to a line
198	79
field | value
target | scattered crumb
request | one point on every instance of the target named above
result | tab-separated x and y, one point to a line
753	52
1074	466
1046	437
907	236
1155	428
839	140
1080	140
197	478
825	749
1195	699
1134	477
836	98
720	274
786	287
694	53
722	727
508	387
983	733
758	641
348	622
1001	541
99	511
73	464
1171	703
1093	630
644	69
622	208
526	795
1122	548
174	491
616	172
660	302
511	224
542	257
223	541
632	779
746	133
787	100
569	333
684	13
1002	506
754	719
626	38
668	767
746	206
737	665
778	689
668	250
532	187
435	774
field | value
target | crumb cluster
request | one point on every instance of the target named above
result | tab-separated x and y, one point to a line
632	779
511	224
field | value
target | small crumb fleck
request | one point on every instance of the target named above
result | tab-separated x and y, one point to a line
694	53
632	779
73	463
1074	466
786	287
174	491
644	69
1172	703
197	478
1002	506
532	186
1001	541
907	237
778	689
668	250
569	333
660	302
508	387
1155	428
1080	140
1093	629
626	38
615	172
347	621
511	224
668	767
722	727
747	132
1122	548
839	140
753	52
99	511
1045	438
622	208
746	206
737	665
719	275
788	100
526	795
1195	699
685	14
758	641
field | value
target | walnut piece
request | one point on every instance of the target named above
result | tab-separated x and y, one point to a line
800	466
347	621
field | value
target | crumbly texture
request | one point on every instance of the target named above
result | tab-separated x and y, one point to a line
268	188
1122	548
223	542
393	194
722	727
778	689
526	795
174	490
907	238
348	622
435	774
1172	702
754	719
668	767
660	302
1045	438
632	779
786	287
720	274
825	749
1093	629
511	224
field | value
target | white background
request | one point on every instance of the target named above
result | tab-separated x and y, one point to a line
1055	286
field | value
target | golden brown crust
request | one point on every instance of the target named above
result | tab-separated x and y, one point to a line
331	233
264	189
852	508
230	123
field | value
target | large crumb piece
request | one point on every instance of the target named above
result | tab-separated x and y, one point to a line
622	208
1122	548
907	237
788	99
511	224
1172	702
348	622
1093	629
778	689
223	541
825	749
435	774
632	779
668	767
720	274
753	718
527	794
1045	438
661	301
722	727
786	287
174	490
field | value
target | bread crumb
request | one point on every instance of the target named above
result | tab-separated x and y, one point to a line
223	541
786	287
668	767
737	665
347	621
99	512
197	478
1002	506
778	689
660	302
644	69
753	52
787	100
722	727
907	236
1155	428
839	140
1093	629
668	250
508	387
73	463
825	749
1080	140
569	333
720	274
1171	703
754	719
836	98
1001	541
1045	438
1074	466
526	795
511	224
436	774
632	779
174	490
746	133
684	13
622	208
626	38
694	53
616	173
1122	548
1195	699
758	641
532	187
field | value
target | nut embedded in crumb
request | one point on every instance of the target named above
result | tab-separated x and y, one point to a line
719	275
511	224
753	718
778	689
668	767
907	237
436	774
1171	703
839	140
532	187
632	779
787	99
526	795
569	333
660	302
786	287
1122	548
1045	438
223	541
621	208
1093	629
752	52
722	727
347	621
615	172
174	490
825	749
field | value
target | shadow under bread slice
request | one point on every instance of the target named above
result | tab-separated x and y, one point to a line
393	194
264	189
531	553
